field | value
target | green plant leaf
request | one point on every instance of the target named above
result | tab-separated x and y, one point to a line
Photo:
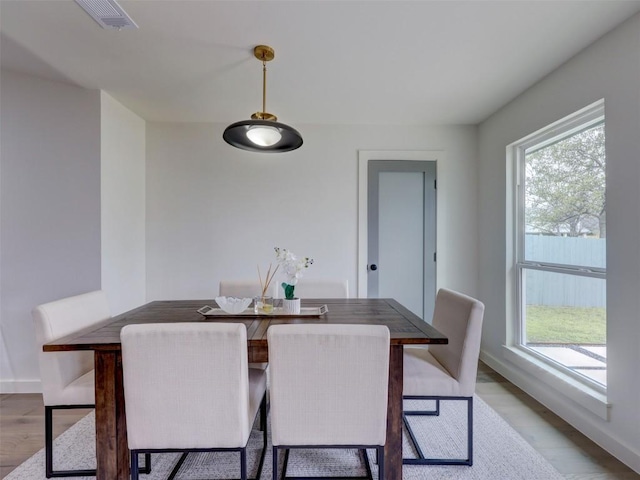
288	290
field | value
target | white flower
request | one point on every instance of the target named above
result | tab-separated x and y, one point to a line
291	265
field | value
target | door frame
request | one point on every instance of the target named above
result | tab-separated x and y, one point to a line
363	170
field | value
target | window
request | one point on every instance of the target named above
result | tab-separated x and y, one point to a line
560	246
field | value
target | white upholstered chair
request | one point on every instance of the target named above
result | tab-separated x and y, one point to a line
187	387
328	388
306	288
239	288
311	288
67	378
446	372
242	289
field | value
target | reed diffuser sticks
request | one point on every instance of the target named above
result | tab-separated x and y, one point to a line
267	281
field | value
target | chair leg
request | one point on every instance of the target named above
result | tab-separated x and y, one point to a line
380	456
147	465
365	459
421	460
243	464
263	421
285	464
134	465
470	430
177	466
48	441
362	450
263	413
274	468
48	446
379	461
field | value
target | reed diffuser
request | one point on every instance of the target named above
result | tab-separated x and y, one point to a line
264	303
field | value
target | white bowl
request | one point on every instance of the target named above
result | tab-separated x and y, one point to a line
233	305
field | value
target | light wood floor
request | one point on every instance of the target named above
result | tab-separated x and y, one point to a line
570	452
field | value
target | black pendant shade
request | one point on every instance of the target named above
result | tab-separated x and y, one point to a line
236	135
263	133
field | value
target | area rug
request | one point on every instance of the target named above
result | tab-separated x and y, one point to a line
500	453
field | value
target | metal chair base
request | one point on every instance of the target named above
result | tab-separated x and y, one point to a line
48	447
186	451
363	452
421	460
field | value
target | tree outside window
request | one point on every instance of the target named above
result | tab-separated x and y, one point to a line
565	186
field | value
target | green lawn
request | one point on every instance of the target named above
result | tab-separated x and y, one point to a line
578	325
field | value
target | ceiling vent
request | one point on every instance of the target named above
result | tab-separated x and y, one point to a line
107	13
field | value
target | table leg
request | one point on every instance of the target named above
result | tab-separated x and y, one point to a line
393	446
111	427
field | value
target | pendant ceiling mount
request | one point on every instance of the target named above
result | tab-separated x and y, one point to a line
264	53
263	133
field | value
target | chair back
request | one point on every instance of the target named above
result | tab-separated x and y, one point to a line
239	288
329	384
58	319
459	317
307	288
186	385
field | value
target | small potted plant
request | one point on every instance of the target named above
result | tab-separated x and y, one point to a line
292	267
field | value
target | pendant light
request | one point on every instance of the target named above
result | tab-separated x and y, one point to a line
263	133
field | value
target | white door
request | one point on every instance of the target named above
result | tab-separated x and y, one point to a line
402	233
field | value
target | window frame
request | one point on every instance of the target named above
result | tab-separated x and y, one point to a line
584	119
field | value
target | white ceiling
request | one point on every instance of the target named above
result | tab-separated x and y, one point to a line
337	62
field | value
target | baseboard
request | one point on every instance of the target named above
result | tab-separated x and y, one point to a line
563	407
20	386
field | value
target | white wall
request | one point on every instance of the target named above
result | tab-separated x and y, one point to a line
608	69
123	206
50	209
214	212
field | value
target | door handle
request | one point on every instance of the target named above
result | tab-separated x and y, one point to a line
373	267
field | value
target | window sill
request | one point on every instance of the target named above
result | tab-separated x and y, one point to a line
589	398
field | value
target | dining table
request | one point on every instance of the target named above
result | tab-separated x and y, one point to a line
103	339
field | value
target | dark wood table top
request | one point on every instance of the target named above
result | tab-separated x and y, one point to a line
405	327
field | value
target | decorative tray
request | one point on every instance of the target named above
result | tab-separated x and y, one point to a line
211	312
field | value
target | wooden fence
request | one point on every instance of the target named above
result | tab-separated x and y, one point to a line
546	288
